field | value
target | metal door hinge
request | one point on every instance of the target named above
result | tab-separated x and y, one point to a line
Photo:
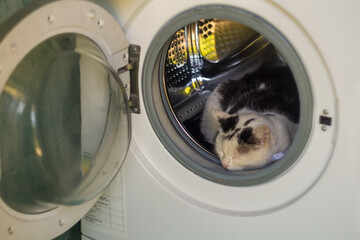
133	68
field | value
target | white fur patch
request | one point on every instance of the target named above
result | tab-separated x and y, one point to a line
262	86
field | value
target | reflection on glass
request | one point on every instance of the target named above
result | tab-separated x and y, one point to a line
63	112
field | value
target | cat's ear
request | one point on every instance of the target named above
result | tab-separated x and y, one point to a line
262	133
220	114
227	121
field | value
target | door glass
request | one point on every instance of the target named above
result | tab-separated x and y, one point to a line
64	126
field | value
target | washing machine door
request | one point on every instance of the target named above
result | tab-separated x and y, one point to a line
64	115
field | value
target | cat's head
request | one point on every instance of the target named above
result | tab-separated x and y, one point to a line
243	141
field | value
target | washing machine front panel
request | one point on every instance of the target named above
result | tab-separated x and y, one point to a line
293	43
65	120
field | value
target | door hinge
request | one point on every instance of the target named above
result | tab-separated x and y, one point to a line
133	68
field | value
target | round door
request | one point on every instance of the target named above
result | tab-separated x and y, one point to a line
64	115
204	46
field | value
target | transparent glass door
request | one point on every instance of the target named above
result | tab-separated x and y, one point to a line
64	125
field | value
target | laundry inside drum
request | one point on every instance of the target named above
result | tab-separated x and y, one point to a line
223	82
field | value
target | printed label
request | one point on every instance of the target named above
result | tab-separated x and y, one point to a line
106	219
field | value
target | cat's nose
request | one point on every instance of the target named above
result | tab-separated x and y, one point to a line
225	164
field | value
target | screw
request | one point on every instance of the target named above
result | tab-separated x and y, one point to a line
61	222
325	111
11	230
13	48
100	23
91	14
51	19
324	128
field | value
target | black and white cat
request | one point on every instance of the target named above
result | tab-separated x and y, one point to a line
251	119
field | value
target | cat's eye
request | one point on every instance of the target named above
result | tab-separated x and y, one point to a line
194	57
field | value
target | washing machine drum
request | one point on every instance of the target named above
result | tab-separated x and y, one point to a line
64	121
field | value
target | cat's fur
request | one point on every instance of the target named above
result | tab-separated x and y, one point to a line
251	119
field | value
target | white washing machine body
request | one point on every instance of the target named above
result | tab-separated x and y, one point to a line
315	197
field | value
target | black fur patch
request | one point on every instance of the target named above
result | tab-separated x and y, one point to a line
229	123
233	134
280	96
246	136
249	121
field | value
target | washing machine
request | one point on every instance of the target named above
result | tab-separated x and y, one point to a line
101	105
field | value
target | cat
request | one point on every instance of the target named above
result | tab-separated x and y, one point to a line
249	120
